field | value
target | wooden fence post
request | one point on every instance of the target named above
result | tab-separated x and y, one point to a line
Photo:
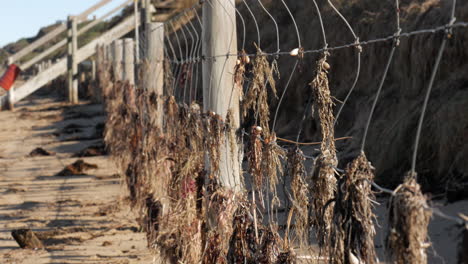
93	70
129	61
154	68
11	93
117	58
137	32
219	95
71	59
147	14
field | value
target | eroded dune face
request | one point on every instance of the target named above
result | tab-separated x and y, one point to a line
444	146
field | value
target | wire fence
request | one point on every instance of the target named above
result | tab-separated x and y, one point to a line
183	160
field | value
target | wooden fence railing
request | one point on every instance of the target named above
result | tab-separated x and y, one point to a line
74	55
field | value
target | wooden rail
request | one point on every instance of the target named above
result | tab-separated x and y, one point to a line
60	67
63	42
54	33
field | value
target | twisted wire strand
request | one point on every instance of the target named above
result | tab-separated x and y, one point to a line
319	14
193	62
349	45
358	70
429	89
189	56
384	76
255	23
283	94
274	22
295	24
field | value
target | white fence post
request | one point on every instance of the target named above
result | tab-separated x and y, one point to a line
72	62
154	67
117	58
129	61
219	95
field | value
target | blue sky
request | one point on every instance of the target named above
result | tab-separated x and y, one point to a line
24	18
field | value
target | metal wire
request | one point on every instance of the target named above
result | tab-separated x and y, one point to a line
429	89
276	25
350	45
295	24
255	22
396	43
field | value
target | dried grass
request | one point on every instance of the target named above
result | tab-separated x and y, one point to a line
220	217
272	166
214	132
239	73
256	98
254	158
300	196
353	230
407	239
323	180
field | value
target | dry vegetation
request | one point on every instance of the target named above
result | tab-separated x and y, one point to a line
169	153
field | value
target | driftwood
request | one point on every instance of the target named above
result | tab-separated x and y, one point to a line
27	239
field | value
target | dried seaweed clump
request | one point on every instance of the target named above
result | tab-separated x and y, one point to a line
239	73
324	180
271	165
353	230
300	198
256	98
409	218
244	247
222	206
179	233
255	157
214	131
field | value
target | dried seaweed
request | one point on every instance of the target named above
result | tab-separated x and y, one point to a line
300	195
214	128
231	132
408	220
323	180
256	98
272	166
353	230
255	157
220	217
239	73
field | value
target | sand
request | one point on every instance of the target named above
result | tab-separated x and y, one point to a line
92	221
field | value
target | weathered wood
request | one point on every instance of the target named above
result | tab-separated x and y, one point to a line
72	64
147	12
137	32
153	78
93	70
36	44
129	60
60	67
219	95
26	239
63	42
49	36
84	15
10	105
117	59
